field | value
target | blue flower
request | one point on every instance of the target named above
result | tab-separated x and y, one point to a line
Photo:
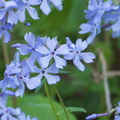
95	12
9	76
4	30
8	113
52	50
32	11
30	48
77	55
8	7
46	4
113	18
34	82
22	78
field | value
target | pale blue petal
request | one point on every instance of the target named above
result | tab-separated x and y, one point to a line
81	45
87	57
62	50
51	44
34	82
43	50
70	56
14	111
45	7
44	61
34	2
85	28
24	49
21	89
12	17
59	62
33	13
52	69
9	4
30	38
21	15
78	63
7	36
91	37
31	60
52	79
2	13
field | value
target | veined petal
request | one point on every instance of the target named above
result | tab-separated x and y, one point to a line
87	57
62	50
78	63
52	79
45	7
33	13
59	62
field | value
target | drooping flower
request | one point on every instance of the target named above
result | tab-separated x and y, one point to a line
46	4
32	11
76	53
95	12
52	50
4	27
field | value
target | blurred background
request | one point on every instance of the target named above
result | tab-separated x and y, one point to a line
77	88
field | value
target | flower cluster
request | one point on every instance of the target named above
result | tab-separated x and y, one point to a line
45	59
101	14
12	11
9	113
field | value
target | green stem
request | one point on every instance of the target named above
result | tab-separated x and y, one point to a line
50	101
61	101
5	52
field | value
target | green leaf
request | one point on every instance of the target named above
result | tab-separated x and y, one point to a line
76	109
39	107
63	71
38	88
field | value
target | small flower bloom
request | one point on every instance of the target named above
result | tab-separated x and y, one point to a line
4	27
77	55
51	50
34	82
8	113
30	48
